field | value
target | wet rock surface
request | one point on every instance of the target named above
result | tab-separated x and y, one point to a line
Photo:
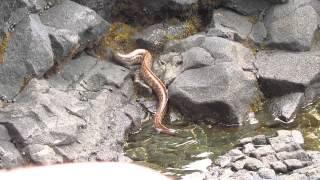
293	162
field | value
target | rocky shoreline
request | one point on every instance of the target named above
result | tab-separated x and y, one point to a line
63	101
261	157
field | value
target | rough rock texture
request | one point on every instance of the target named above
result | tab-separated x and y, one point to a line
37	40
289	79
247	7
203	89
294	162
9	155
231	25
99	115
84	108
154	37
229	19
102	7
207	90
184	44
89	73
284	108
292	26
29	54
79	19
289	25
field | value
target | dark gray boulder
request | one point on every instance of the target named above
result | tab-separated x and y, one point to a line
231	25
176	63
40	118
29	54
184	44
33	48
102	7
205	93
200	71
291	26
7	7
85	92
284	108
196	57
224	50
96	128
247	7
65	44
105	73
223	18
282	73
89	73
155	36
81	20
290	80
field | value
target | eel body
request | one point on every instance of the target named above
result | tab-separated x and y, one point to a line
144	57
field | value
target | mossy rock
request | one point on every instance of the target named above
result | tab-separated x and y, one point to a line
119	37
257	104
191	26
4	44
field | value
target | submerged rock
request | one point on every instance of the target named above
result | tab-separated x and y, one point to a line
284	108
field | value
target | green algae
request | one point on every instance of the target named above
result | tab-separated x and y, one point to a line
191	26
119	37
4	44
308	121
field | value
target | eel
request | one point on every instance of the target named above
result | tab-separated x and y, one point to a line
144	57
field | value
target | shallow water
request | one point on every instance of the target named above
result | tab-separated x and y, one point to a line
197	145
